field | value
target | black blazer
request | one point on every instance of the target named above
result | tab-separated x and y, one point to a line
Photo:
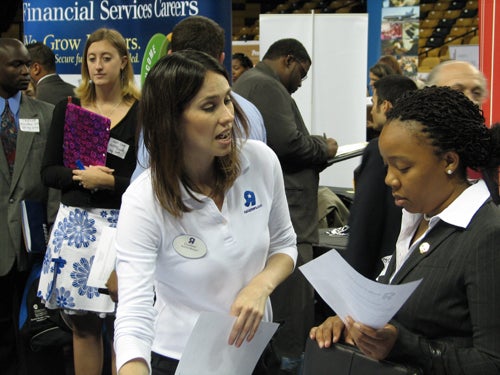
374	219
302	156
53	89
451	323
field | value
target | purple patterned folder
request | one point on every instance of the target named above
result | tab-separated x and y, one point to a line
86	137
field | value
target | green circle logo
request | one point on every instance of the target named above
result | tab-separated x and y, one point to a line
157	47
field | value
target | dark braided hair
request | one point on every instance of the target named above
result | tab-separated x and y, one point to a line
452	123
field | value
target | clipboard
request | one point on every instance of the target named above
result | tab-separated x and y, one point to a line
86	137
348	151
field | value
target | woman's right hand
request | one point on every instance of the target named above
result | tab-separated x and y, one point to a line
329	332
95	177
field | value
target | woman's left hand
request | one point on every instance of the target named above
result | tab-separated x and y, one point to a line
375	343
94	177
249	308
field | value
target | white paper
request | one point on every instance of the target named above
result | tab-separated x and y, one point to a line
345	149
104	260
207	351
117	148
349	293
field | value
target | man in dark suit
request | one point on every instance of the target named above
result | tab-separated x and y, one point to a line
302	156
374	219
24	126
49	86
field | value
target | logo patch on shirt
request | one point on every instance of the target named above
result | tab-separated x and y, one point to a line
250	201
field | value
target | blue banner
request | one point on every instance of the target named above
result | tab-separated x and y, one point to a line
65	26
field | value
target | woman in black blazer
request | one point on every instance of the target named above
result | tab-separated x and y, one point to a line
449	238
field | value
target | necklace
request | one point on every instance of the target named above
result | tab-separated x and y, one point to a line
112	110
427	218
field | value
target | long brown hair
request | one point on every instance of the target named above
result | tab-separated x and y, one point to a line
169	87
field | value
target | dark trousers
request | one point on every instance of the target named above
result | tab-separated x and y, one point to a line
11	286
268	364
162	365
293	308
16	356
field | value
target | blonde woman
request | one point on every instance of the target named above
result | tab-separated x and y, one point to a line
91	196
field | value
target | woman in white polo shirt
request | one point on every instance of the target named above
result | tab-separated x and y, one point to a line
206	228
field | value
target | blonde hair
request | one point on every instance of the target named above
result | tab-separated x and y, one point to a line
86	90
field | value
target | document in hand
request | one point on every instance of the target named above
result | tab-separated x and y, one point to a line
348	151
349	293
86	137
104	260
207	351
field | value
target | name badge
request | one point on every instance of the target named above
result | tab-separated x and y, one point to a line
189	246
117	148
31	125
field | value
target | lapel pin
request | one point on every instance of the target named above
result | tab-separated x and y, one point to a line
424	247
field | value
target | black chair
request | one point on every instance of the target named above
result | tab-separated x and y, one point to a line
434	42
446	22
440	32
468	13
457	5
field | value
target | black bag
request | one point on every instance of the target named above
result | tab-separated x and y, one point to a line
343	359
39	326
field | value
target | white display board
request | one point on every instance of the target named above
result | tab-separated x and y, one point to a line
469	53
333	98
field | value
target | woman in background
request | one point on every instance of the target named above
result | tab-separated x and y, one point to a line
240	64
449	238
392	62
90	197
377	71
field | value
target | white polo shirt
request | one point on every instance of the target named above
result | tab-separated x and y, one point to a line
198	262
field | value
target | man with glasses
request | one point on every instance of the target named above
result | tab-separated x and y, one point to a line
269	86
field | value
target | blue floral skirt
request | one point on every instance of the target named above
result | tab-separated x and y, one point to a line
68	259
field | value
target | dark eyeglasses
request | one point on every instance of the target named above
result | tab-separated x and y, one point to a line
303	71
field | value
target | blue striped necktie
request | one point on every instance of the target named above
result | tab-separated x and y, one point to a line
8	133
